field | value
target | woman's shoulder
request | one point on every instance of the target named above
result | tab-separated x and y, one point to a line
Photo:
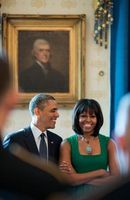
72	138
104	137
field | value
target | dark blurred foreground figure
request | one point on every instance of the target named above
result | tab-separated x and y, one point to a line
21	174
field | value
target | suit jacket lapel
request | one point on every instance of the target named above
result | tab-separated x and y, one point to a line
30	141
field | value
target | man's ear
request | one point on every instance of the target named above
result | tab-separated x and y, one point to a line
36	111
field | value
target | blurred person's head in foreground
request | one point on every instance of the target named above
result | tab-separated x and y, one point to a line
122	133
7	92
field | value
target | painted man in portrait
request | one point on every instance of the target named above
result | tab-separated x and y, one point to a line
41	76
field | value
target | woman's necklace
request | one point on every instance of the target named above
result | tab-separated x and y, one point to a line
89	148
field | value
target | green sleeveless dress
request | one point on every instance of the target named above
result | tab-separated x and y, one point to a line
87	163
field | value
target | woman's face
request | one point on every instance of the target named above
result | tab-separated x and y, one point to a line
87	122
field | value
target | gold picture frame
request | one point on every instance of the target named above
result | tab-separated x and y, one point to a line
67	35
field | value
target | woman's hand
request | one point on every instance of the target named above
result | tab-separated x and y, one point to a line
103	173
65	167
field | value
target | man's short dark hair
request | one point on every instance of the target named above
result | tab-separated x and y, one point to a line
85	105
5	74
39	102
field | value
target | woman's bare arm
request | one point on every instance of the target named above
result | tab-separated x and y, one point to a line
113	159
113	165
66	167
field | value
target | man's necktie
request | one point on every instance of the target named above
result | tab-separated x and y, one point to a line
43	147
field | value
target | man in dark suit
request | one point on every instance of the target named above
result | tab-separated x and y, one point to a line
44	112
41	76
22	175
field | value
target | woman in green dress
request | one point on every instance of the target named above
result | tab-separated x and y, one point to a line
88	157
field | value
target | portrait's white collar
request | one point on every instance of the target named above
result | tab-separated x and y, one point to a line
42	66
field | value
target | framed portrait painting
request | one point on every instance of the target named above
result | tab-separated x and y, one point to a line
47	55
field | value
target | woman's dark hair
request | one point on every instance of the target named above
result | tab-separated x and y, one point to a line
84	105
5	74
